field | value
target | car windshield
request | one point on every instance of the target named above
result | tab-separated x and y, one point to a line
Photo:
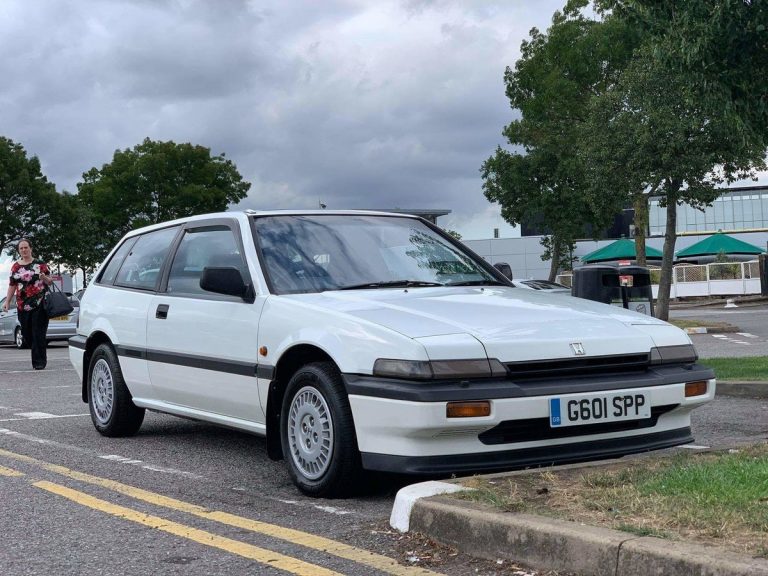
315	253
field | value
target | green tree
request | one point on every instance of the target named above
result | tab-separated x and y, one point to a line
662	130
721	45
26	196
74	242
155	182
543	179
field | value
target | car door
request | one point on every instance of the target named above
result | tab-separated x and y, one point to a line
202	346
124	291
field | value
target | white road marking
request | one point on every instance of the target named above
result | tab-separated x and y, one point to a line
33	370
150	467
747	335
333	510
21	358
121	459
39	416
732	340
329	509
71	448
694	447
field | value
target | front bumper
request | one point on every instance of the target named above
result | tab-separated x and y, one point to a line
402	426
527	457
76	354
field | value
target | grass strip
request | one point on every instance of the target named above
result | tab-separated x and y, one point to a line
681	323
749	368
713	498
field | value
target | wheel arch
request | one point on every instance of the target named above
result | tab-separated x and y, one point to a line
93	342
291	360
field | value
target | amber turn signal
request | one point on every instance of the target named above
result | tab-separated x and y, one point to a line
698	388
468	409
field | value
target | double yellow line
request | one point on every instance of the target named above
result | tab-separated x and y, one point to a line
268	557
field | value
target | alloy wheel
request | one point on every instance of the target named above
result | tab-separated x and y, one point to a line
102	391
310	432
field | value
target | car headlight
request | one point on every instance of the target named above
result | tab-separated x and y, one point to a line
429	369
684	353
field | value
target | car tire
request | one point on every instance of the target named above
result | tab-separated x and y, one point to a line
18	339
113	412
318	433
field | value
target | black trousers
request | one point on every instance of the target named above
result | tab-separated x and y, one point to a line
34	326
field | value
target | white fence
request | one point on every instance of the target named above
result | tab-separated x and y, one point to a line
716	279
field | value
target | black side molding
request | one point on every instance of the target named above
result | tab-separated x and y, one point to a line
78	342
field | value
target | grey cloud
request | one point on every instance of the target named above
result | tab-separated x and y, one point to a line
360	104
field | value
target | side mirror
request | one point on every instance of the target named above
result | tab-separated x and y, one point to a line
504	268
227	280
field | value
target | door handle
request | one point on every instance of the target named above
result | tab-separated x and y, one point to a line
162	311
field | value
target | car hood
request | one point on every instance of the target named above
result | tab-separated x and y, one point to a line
510	323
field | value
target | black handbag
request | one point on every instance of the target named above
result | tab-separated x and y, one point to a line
56	302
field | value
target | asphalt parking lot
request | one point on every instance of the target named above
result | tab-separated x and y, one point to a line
43	418
750	339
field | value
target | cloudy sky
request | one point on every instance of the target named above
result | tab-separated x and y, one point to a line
353	103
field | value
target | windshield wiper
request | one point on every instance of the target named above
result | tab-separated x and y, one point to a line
389	284
478	283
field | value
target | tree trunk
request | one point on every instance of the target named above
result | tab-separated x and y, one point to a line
554	264
641	225
670	236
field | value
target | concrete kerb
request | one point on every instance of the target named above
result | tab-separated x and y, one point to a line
742	389
408	496
740	301
551	544
711	329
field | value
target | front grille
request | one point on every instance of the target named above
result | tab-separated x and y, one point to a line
533	429
578	366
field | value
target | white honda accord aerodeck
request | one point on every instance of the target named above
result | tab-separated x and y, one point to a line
371	341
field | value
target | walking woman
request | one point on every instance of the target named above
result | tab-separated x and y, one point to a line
29	279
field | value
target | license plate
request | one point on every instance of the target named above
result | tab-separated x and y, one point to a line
59	318
598	408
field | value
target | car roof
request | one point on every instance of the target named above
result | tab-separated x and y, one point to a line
244	214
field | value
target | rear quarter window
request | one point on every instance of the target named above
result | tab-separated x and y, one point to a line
141	267
110	270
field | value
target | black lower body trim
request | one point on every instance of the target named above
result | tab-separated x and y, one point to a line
78	342
526	457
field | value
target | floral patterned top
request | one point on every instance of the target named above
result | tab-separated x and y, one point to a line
30	289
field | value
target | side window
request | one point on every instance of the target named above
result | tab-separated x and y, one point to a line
141	268
201	247
110	271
